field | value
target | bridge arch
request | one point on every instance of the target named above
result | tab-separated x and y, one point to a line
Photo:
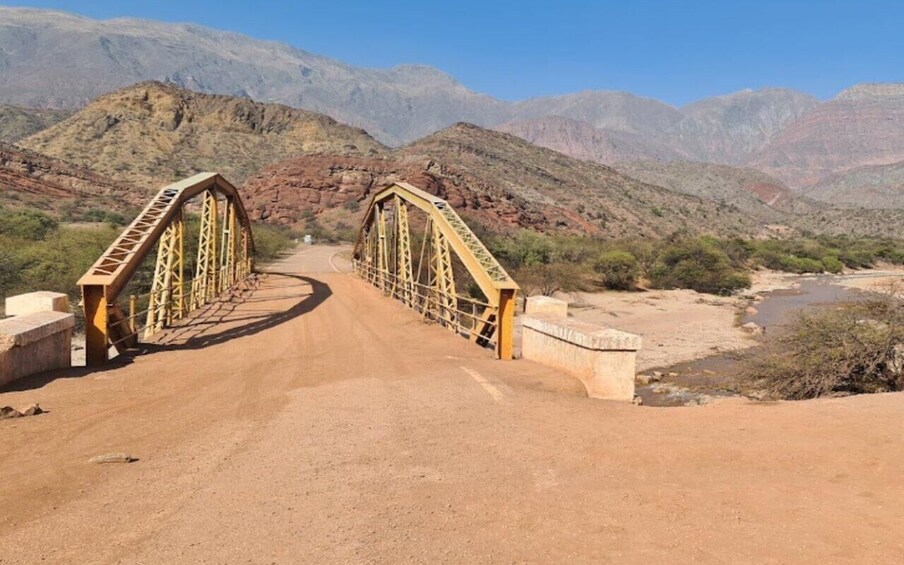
225	248
383	256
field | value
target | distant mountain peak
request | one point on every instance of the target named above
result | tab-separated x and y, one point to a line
872	90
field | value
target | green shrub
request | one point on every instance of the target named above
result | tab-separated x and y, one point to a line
857	258
644	251
699	265
57	262
524	249
550	278
801	265
26	224
832	264
618	270
10	268
271	241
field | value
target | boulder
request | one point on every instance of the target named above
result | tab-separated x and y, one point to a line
31	410
752	327
112	458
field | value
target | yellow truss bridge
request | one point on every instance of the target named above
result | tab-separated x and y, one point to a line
426	282
449	259
225	249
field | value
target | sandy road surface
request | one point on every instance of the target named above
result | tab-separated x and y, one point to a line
320	422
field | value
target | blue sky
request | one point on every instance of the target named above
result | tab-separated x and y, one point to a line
677	51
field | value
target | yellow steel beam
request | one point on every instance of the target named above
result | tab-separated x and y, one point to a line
97	331
444	279
177	302
204	285
487	273
382	256
160	307
449	231
108	276
403	264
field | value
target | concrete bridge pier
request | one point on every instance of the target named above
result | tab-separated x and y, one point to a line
603	359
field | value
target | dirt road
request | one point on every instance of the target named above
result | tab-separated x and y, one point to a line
319	422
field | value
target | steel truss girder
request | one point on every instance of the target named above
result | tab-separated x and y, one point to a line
443	278
205	285
450	234
166	302
102	284
403	264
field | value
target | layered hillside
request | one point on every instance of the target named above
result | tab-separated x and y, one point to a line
611	127
878	186
582	141
498	180
608	110
730	129
862	126
751	191
153	133
62	189
17	123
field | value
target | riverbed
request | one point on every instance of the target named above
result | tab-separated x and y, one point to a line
712	377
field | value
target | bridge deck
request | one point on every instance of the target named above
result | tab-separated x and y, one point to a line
321	422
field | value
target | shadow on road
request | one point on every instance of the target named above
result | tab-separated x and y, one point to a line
197	329
319	293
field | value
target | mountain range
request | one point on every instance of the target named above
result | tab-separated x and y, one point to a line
58	60
208	99
299	168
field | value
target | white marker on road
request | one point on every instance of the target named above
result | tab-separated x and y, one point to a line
487	386
331	262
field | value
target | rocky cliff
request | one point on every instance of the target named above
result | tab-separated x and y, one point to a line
154	133
42	182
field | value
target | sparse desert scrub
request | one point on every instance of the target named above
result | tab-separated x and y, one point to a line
618	270
37	253
853	348
698	264
705	264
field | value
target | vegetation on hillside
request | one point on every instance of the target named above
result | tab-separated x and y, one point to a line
544	264
39	253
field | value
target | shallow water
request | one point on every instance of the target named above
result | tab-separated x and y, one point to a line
697	379
780	306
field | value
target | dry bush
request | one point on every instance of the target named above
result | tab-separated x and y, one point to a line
853	348
547	279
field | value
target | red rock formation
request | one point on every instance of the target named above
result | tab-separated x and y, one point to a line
47	182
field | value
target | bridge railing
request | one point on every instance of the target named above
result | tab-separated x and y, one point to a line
466	318
383	255
225	248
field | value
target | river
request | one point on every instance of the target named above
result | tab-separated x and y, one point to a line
696	382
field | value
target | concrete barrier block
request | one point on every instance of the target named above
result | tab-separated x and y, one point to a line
546	306
41	301
33	343
604	359
25	330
